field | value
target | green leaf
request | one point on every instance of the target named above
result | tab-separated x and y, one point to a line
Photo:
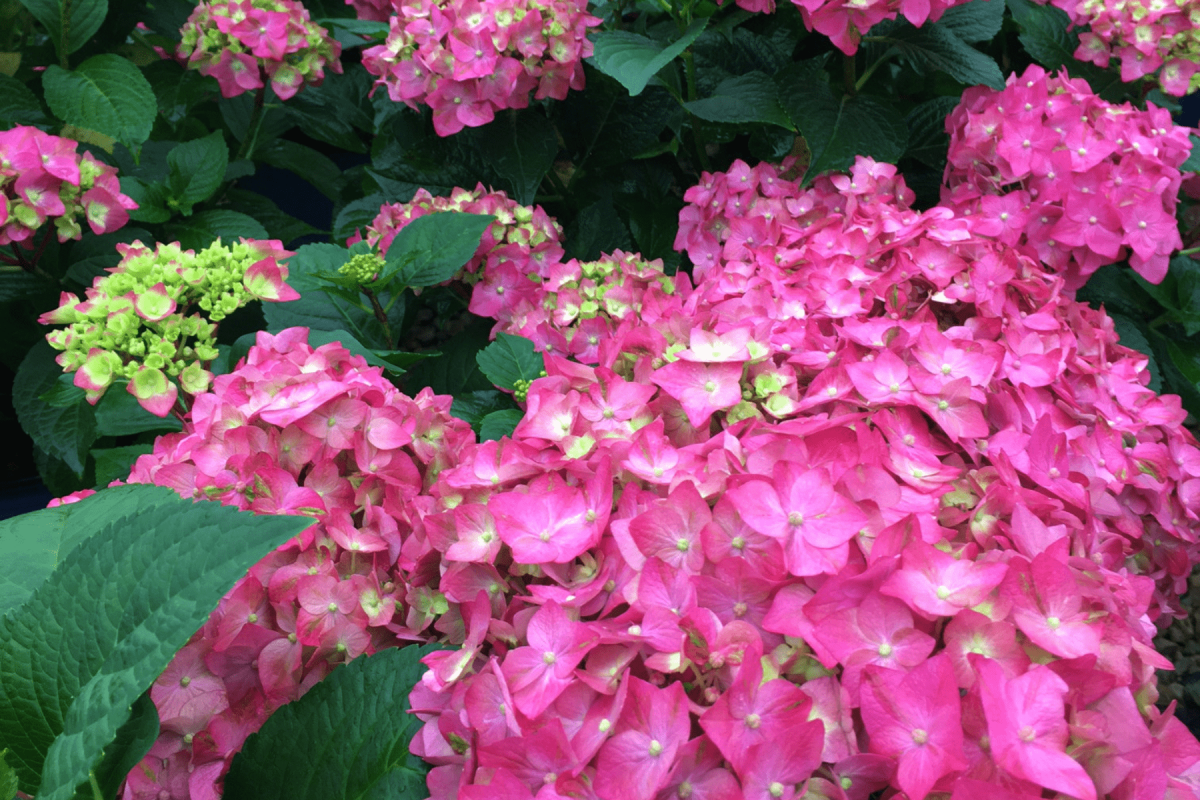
430	249
32	545
838	129
18	104
312	166
115	463
633	59
1046	35
597	229
64	393
133	740
455	371
509	359
197	170
90	640
279	224
357	719
106	94
1132	336
935	47
1193	160
520	146
8	779
472	407
118	414
356	215
70	23
977	21
66	433
752	97
15	283
927	137
200	230
499	424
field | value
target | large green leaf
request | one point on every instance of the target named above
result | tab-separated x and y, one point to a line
348	738
633	59
430	249
499	424
119	414
976	21
1044	33
32	545
510	359
115	463
133	740
93	637
521	146
18	105
455	371
8	779
197	169
936	47
752	97
70	23
106	94
838	129
199	230
927	137
65	433
1193	160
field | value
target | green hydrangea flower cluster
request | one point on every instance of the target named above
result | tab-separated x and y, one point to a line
153	320
363	267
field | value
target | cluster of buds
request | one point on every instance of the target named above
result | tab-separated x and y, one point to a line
466	60
246	43
42	176
1048	166
1143	36
153	320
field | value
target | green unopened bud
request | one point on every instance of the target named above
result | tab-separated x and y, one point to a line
363	267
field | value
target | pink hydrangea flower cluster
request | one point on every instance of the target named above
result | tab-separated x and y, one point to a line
874	505
519	277
467	60
44	177
317	432
1049	167
845	21
1144	37
246	44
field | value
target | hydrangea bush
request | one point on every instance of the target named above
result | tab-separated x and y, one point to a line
801	404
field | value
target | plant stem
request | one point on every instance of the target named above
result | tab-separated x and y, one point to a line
25	265
848	75
256	118
1189	251
380	315
96	793
862	81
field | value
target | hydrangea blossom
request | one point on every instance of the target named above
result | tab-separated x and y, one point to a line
926	470
467	60
42	177
1144	37
153	320
246	44
845	21
875	487
296	430
374	10
1048	166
